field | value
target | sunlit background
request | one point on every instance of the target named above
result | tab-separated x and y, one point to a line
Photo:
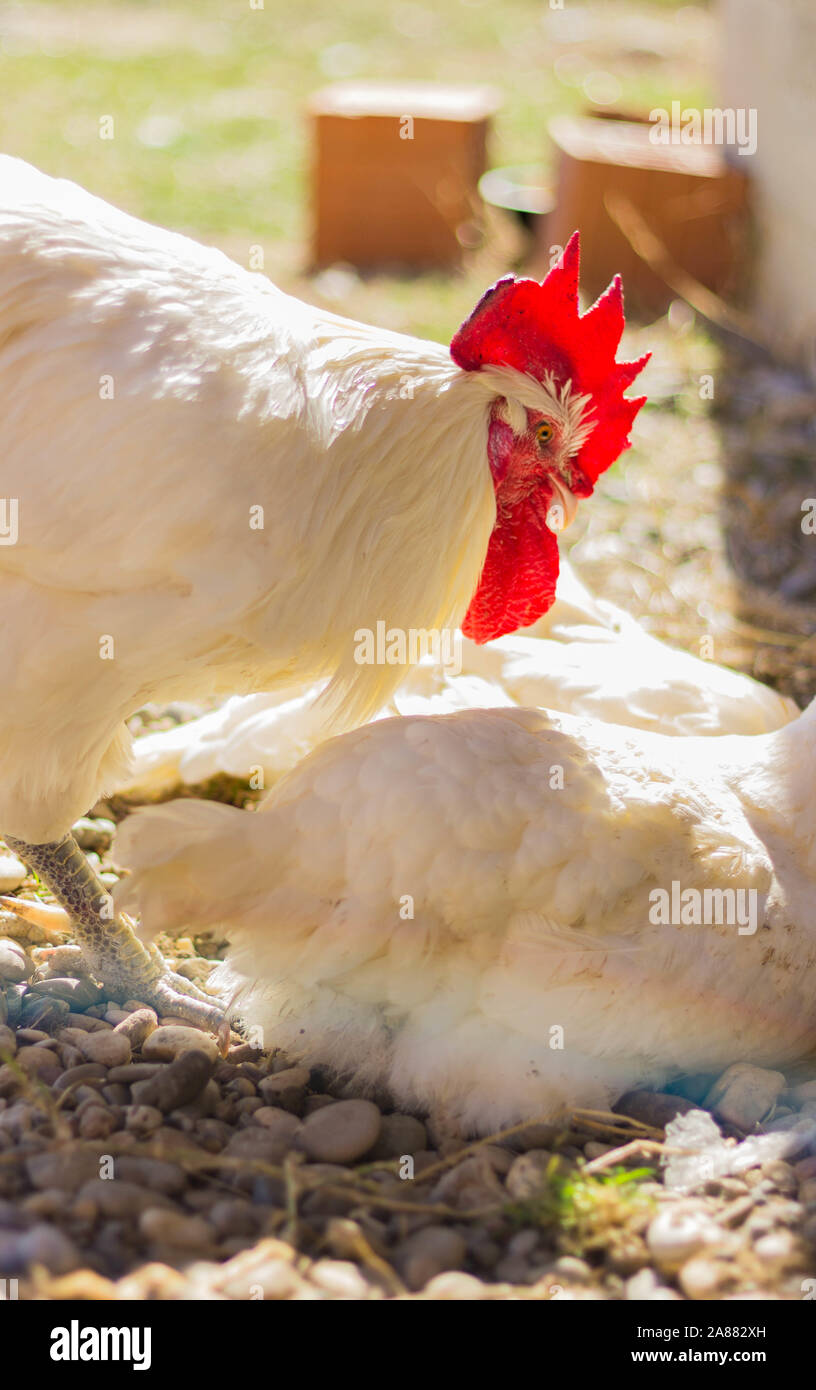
697	528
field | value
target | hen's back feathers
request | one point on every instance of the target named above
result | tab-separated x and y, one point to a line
586	656
459	907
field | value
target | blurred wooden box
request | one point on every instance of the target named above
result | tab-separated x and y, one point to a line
396	171
690	197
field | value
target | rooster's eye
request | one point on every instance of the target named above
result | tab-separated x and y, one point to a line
544	432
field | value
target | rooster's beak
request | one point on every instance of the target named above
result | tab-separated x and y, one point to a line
563	506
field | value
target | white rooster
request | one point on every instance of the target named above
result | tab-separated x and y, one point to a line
209	486
498	913
584	656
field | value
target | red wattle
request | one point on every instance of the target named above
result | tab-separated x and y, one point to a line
519	577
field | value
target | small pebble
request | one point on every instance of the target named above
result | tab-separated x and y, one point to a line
142	1119
26	1037
677	1233
780	1176
12	871
806	1091
63	1169
114	1015
805	1168
167	1227
528	1175
61	960
77	994
571	1268
177	1084
500	1159
86	1023
399	1135
286	1089
431	1251
111	1049
274	1279
595	1150
168	1042
96	1123
655	1108
782	1124
120	1198
745	1094
136	1071
137	1026
268	1142
93	835
703	1279
471	1183
735	1213
340	1133
457	1287
158	1174
39	1062
340	1278
779	1248
41	1245
645	1287
15	963
230	1216
196	969
42	1013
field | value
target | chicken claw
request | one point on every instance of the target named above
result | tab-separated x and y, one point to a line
127	967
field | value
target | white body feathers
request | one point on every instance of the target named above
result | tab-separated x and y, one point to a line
153	397
460	907
585	656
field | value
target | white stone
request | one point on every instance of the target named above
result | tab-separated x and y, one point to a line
12	871
15	965
745	1094
677	1233
168	1042
109	1048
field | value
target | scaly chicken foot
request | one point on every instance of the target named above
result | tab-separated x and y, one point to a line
125	965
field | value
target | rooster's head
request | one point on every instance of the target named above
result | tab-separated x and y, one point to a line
548	451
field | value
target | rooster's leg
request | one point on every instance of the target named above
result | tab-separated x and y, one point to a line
113	951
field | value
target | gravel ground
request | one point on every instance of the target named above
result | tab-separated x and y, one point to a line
135	1162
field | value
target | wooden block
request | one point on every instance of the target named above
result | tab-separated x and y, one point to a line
691	198
396	171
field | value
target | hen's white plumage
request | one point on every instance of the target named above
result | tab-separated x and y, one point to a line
585	656
458	907
139	366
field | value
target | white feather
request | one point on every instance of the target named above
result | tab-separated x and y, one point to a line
423	905
585	656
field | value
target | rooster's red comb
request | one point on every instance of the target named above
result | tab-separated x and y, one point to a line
538	329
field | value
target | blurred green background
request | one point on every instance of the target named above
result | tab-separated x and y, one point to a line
208	101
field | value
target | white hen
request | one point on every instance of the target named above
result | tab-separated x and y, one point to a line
495	913
585	656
